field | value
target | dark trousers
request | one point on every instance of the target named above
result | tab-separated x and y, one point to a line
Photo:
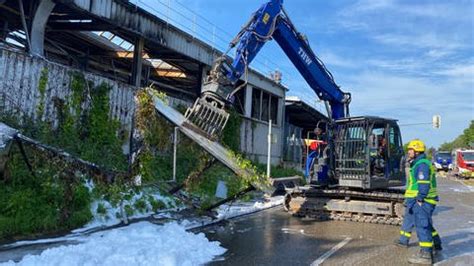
424	225
409	221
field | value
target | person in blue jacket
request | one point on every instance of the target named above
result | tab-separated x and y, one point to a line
421	198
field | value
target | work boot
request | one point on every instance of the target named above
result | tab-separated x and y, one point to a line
399	243
422	257
437	242
437	249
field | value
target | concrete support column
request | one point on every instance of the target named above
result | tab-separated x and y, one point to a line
200	79
282	123
280	111
204	70
38	27
146	78
248	101
137	62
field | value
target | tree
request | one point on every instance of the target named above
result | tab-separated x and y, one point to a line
465	140
430	153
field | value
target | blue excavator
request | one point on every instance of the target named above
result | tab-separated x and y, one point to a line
355	177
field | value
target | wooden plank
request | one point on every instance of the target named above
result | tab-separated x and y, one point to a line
212	147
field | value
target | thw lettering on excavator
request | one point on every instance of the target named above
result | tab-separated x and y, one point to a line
305	56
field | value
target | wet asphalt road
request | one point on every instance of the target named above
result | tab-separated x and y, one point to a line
274	238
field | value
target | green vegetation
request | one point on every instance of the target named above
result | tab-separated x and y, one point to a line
155	160
43	82
101	209
279	171
50	201
113	193
156	204
252	176
465	140
206	186
89	132
54	197
231	133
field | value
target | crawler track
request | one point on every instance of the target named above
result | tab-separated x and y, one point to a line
378	207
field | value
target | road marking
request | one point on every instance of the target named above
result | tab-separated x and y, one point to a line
331	251
290	230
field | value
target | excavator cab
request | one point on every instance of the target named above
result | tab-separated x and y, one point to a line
365	163
368	153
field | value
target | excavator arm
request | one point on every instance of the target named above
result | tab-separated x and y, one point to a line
268	22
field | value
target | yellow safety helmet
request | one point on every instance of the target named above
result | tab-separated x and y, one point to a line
417	145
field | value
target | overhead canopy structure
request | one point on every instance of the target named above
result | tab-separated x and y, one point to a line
301	114
87	39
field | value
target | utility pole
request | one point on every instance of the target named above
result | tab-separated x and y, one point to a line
269	151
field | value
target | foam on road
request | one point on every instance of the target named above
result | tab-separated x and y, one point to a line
142	243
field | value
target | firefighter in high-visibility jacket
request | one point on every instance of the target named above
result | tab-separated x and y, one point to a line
421	198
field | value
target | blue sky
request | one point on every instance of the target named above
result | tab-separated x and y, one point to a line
406	60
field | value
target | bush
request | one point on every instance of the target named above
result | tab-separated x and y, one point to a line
31	205
278	170
156	204
128	210
465	140
101	209
140	205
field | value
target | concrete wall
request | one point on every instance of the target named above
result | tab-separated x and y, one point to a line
254	141
253	132
19	87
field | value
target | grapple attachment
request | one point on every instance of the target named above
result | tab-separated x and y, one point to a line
207	116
